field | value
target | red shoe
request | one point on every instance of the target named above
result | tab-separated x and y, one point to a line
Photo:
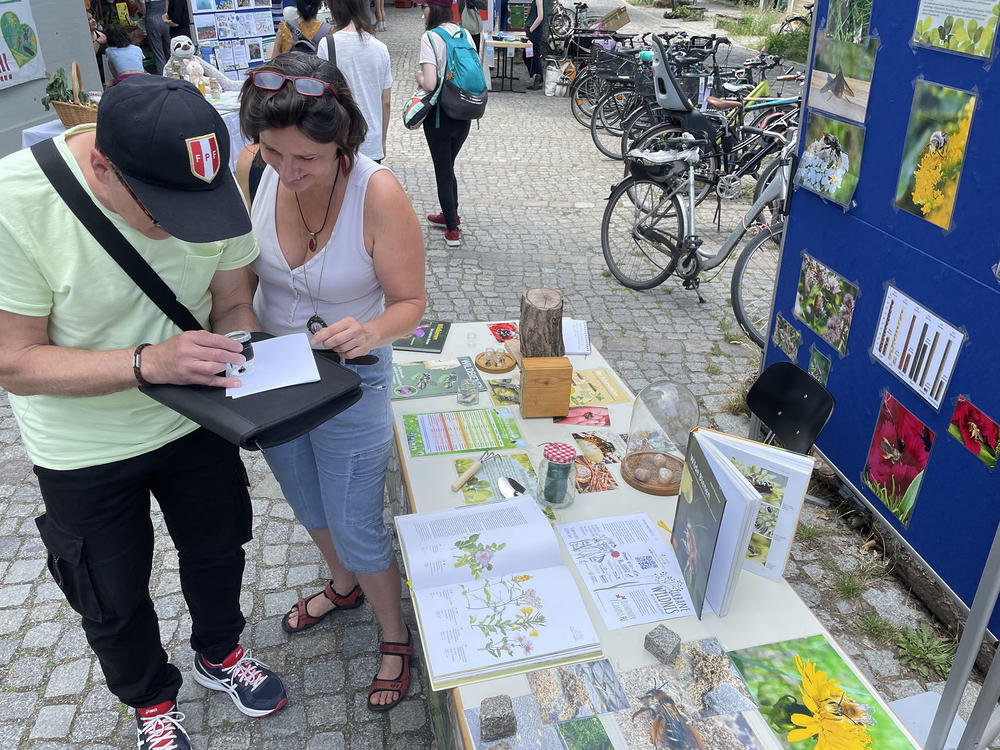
438	220
451	238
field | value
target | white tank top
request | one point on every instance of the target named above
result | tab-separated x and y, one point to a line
349	286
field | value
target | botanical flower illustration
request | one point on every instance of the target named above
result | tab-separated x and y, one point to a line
958	34
934	152
506	613
825	301
476	555
975	431
898	454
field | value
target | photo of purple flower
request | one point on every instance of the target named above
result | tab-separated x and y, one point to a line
825	302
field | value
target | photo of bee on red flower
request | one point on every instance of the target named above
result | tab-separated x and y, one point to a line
897	457
975	431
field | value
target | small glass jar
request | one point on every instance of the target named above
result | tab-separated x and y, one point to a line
557	476
468	393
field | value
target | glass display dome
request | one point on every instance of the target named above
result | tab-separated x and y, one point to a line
662	416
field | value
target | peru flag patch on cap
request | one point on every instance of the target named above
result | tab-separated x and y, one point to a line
203	154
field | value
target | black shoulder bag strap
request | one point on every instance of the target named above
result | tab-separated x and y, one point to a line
108	237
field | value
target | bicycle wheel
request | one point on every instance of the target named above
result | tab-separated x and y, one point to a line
642	228
638	122
606	120
793	24
587	88
752	286
707	171
560	24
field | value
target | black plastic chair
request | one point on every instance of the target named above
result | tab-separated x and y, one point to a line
792	404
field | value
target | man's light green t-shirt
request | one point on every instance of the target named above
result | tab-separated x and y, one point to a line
50	265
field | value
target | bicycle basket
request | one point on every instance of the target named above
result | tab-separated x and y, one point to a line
613	67
696	86
644	86
658	165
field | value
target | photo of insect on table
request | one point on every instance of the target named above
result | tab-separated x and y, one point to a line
568	568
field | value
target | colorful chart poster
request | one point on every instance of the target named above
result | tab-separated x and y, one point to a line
264	22
596	387
964	26
831	162
631	572
811	698
897	457
268	43
440	432
786	336
848	20
819	365
227	26
934	152
975	431
916	346
841	77
824	301
482	488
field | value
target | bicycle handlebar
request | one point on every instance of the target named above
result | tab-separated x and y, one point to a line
767	133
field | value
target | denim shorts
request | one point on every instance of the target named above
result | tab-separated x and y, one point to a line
334	476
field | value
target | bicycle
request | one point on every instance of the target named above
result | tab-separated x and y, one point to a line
563	21
649	229
795	23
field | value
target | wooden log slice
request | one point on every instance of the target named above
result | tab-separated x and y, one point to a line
541	323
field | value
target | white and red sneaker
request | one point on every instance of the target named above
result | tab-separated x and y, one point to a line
452	238
438	220
159	728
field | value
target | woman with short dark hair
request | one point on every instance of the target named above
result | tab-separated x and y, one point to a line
445	136
342	258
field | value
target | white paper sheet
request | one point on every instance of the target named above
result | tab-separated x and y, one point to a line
277	363
629	569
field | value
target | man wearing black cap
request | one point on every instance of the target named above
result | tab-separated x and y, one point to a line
76	338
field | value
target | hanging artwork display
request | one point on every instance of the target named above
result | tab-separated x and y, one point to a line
916	345
967	27
975	431
848	20
831	162
819	365
786	337
235	35
824	301
897	457
841	77
934	152
20	57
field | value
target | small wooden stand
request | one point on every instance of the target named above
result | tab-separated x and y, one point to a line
643	470
506	364
546	385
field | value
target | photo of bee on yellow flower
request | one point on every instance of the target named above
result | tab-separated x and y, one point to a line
934	152
813	700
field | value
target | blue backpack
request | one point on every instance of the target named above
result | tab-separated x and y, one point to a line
462	85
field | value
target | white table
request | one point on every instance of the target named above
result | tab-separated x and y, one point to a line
229	109
763	611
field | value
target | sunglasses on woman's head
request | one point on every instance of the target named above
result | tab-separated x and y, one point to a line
270	81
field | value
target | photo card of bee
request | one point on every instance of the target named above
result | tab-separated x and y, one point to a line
897	457
841	77
824	301
934	152
819	365
831	162
975	431
786	336
662	715
916	346
808	691
965	27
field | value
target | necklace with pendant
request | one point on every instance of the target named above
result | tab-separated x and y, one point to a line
316	323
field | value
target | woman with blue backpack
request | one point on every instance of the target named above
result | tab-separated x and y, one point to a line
445	135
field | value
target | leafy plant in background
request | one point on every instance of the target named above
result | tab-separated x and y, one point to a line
825	301
478	557
60	90
848	20
922	650
958	34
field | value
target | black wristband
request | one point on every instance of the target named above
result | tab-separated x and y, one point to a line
137	365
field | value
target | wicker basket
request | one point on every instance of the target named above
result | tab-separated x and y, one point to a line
73	113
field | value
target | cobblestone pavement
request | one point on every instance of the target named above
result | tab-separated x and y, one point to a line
532	190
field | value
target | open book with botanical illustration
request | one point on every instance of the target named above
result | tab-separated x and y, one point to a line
491	593
738	506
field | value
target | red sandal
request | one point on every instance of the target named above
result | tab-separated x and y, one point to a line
353	599
402	683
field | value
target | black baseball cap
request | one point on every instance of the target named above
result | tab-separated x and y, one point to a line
172	148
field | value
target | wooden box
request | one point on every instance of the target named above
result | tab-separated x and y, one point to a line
546	384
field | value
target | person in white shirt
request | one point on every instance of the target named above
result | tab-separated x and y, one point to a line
364	61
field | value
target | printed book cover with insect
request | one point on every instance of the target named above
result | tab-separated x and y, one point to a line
491	594
436	377
428	337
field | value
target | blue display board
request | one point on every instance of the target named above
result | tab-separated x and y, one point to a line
950	273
